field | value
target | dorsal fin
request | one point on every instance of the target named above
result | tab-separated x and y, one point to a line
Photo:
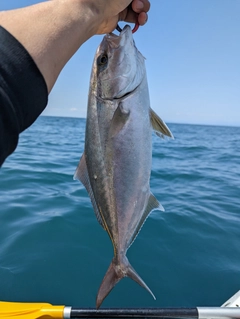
159	126
81	174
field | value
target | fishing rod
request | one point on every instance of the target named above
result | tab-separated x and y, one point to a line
10	310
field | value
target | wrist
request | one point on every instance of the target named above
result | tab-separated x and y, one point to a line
85	14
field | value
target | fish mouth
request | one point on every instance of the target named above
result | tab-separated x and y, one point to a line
126	28
114	40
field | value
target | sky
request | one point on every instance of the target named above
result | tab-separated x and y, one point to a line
192	50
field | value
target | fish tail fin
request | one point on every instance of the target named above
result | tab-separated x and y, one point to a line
110	279
131	273
116	271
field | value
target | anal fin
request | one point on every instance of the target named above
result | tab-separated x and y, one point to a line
152	204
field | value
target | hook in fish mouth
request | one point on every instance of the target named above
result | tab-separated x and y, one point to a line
119	29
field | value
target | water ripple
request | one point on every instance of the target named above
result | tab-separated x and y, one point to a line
54	250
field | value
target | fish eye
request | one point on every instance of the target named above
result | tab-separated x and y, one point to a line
102	59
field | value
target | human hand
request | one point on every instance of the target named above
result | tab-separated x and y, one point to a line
109	12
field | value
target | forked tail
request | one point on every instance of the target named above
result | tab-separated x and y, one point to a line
116	271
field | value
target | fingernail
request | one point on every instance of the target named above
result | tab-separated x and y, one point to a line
139	5
146	19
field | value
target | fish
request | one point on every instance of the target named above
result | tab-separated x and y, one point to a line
116	164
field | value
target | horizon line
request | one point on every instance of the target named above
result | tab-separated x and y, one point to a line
168	122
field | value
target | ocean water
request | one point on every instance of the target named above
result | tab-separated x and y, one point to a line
52	248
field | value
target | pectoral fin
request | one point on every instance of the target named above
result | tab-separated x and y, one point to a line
119	119
159	126
81	174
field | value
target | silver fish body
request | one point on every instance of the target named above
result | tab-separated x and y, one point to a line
116	164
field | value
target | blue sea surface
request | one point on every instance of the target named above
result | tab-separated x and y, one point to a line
52	248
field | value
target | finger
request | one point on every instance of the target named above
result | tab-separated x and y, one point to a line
129	16
140	6
132	17
142	18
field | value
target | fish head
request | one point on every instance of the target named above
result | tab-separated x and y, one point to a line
118	67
